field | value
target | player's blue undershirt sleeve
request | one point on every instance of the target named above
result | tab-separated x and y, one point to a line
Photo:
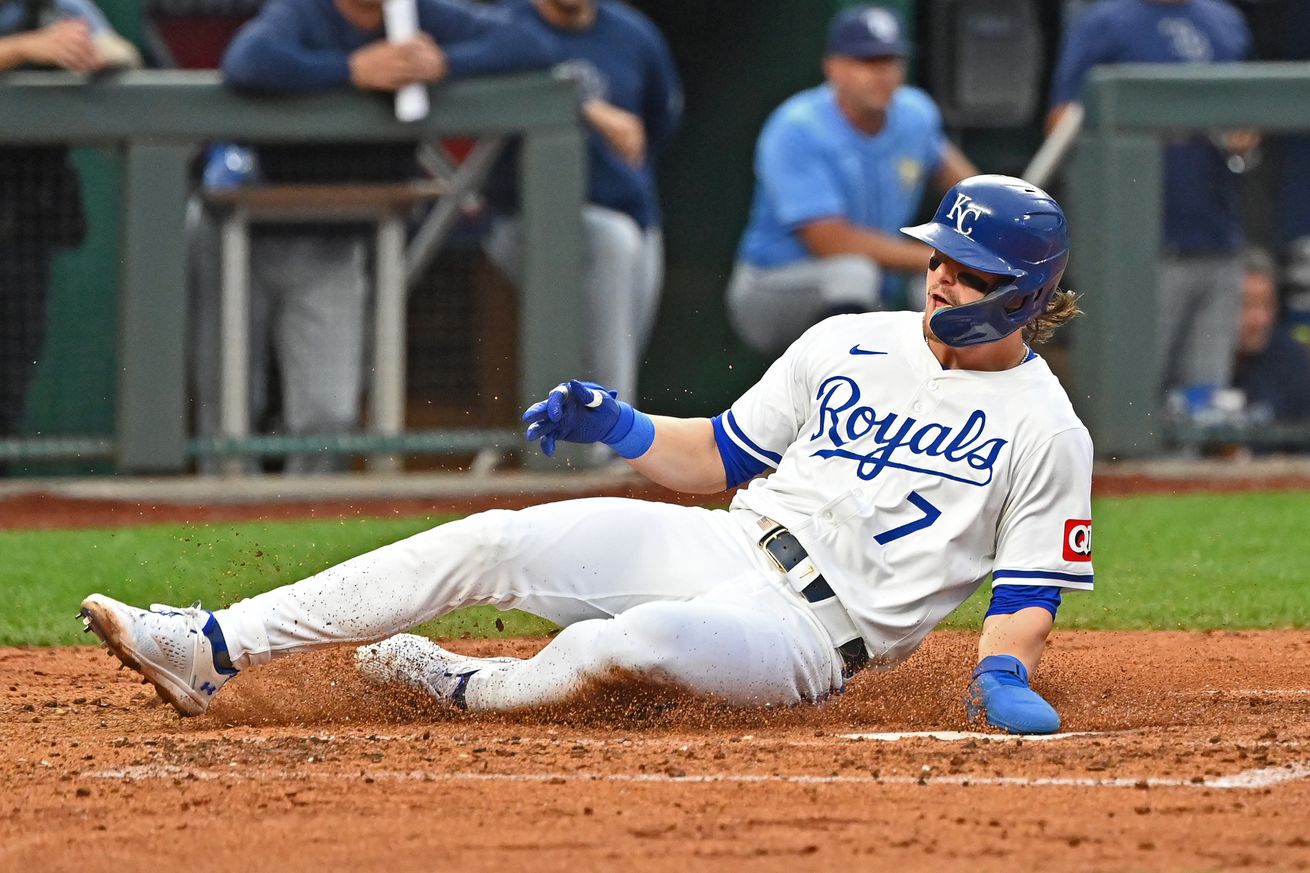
1083	45
738	465
483	40
87	11
269	53
662	105
1008	599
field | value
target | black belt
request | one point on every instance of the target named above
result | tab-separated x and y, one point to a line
787	552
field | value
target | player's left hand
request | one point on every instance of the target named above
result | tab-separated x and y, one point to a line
576	412
999	693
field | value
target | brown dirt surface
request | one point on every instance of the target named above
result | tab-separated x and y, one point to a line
1192	752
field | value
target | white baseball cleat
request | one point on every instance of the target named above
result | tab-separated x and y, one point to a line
417	662
167	645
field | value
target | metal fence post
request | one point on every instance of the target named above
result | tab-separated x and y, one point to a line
152	410
1115	217
552	335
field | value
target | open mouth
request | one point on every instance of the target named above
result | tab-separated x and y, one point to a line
937	301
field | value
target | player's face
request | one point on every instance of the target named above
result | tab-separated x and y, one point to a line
951	283
1259	313
865	86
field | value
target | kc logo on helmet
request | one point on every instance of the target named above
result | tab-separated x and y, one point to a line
1078	539
963	213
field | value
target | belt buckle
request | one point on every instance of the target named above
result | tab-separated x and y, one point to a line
766	540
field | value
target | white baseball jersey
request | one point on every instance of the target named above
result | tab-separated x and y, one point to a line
908	483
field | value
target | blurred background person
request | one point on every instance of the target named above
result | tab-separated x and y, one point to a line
309	283
40	193
631	106
1200	272
1272	369
1281	29
839	169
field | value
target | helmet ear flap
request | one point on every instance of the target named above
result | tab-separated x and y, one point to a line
1017	303
1034	301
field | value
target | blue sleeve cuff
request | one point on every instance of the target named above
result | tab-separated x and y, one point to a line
1009	599
738	465
638	432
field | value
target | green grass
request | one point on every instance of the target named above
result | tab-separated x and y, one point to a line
45	574
1194	561
1197	561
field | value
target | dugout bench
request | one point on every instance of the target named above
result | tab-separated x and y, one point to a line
156	120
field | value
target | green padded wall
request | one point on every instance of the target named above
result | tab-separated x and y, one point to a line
74	388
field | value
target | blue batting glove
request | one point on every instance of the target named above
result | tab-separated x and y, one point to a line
584	412
1000	693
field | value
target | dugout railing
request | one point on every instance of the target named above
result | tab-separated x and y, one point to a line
1114	200
157	120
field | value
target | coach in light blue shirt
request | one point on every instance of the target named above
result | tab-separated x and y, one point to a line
839	169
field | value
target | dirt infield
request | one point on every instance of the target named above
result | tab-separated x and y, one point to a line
1192	752
1185	752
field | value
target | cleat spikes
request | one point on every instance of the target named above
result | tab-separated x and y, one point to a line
165	645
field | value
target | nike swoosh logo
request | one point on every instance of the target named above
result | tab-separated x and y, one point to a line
856	350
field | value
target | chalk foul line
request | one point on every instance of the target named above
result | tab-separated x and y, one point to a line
954	736
1263	777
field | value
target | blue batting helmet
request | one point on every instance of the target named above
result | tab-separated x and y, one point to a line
1001	225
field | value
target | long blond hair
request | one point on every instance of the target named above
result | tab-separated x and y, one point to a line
1060	309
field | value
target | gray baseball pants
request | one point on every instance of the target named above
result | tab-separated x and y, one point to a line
623	276
770	307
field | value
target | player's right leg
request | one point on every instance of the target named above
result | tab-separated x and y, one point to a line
320	341
614	248
566	562
770	307
750	642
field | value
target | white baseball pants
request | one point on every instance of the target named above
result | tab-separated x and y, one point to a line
674	594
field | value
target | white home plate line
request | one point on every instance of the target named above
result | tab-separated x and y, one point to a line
952	736
1260	778
1268	692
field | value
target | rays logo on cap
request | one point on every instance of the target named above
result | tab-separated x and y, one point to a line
963	213
881	24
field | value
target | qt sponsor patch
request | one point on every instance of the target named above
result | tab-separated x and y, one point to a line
1078	539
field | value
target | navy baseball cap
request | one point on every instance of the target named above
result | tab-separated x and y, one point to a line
866	32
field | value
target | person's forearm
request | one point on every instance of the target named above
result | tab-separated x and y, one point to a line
266	65
13	51
479	42
836	236
683	457
1021	634
508	50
